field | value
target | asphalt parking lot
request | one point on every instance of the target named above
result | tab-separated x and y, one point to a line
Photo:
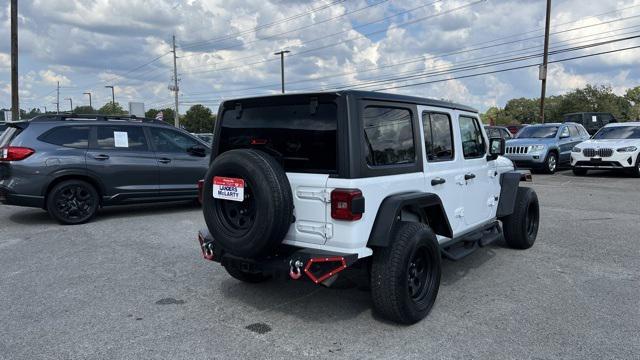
132	285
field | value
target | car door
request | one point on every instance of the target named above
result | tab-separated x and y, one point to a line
441	161
120	156
479	177
179	169
565	143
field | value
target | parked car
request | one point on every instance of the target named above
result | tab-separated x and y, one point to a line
614	147
592	121
380	182
206	137
498	132
545	146
513	129
70	165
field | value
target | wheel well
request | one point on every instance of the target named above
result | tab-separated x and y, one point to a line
555	151
60	179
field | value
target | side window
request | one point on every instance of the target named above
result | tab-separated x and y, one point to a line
506	134
583	131
116	137
493	133
565	132
68	136
473	144
168	140
388	134
438	136
573	130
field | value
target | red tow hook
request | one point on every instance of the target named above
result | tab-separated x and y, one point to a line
294	271
206	248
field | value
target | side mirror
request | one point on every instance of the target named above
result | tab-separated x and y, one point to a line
197	151
497	147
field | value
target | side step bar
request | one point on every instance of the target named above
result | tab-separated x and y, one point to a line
458	248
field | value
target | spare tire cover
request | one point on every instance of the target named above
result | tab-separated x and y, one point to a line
255	224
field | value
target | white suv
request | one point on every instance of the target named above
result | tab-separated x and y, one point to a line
616	146
309	185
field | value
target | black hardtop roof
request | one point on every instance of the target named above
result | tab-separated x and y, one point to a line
369	95
588	112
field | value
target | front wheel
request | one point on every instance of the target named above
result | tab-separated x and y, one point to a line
635	171
405	276
551	163
72	202
521	227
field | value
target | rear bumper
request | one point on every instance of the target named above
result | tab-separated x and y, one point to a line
318	266
8	197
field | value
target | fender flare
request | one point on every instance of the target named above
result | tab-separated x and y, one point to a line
509	183
427	203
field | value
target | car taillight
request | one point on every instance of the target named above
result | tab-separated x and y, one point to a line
15	153
347	204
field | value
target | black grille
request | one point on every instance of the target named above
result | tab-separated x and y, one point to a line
517	149
599	152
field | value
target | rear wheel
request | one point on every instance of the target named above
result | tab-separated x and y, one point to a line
405	277
521	227
72	202
579	172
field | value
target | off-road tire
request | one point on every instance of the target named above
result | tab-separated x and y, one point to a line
579	172
268	200
391	274
552	158
635	171
72	202
521	227
248	277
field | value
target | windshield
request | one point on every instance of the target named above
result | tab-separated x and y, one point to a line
618	132
537	132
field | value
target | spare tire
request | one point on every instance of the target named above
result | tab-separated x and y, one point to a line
255	225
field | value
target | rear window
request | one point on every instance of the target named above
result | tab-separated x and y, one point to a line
68	136
302	136
7	135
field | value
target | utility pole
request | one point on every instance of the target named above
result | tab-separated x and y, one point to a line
15	106
88	93
281	53
175	87
70	104
545	61
58	98
113	95
45	109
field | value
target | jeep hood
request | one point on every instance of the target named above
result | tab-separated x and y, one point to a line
530	141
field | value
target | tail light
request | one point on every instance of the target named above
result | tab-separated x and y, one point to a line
15	153
347	204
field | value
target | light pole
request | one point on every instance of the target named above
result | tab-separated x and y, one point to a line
70	104
545	61
113	94
281	53
88	93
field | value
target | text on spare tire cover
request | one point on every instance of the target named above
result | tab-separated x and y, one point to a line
226	188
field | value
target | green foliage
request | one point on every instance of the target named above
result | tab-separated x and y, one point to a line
111	109
84	110
198	119
633	97
167	113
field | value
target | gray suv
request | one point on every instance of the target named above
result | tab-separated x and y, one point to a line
70	165
545	146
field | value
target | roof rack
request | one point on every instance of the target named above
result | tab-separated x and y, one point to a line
97	117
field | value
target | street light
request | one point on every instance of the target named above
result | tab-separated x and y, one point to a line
70	104
88	93
281	53
113	94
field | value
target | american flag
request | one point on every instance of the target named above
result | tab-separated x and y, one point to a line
160	116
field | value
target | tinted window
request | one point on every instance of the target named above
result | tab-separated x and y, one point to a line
493	133
388	134
537	132
565	131
302	137
438	136
168	140
583	131
473	145
573	130
121	138
506	134
68	136
618	132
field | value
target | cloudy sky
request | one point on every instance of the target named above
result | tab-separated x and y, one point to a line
226	47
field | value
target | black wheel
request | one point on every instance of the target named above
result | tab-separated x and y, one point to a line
579	172
248	277
405	277
551	163
635	171
72	202
521	227
256	225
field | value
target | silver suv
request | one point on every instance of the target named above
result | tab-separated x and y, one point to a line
545	147
70	165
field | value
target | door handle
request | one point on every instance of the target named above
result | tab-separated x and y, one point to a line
164	160
469	176
101	157
438	181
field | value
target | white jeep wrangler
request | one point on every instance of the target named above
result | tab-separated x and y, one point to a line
308	185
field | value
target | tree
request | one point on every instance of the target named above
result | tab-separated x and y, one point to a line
167	114
633	97
198	119
111	109
495	116
84	110
523	110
